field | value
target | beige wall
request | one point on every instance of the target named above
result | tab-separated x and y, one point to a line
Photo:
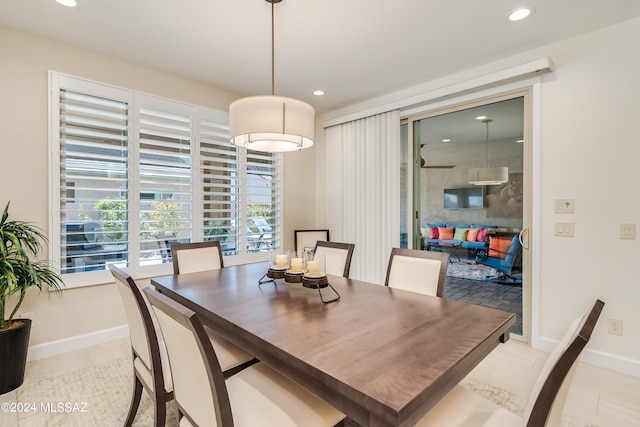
24	64
434	181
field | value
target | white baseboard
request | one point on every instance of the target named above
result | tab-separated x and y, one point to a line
599	358
53	348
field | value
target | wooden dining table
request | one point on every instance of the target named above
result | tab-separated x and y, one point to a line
382	356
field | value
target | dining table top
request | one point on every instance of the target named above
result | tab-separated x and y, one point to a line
382	356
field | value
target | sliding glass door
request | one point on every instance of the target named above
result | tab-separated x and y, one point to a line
467	185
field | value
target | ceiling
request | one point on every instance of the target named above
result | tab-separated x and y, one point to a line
463	127
470	138
351	49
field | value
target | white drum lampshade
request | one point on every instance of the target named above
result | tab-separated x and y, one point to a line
271	123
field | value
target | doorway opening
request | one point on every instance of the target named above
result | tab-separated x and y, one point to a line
467	193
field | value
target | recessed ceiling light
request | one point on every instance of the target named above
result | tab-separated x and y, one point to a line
446	140
318	92
482	117
521	13
69	3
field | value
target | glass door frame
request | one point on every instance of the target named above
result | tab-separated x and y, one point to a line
413	146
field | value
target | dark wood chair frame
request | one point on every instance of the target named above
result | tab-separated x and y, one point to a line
349	247
157	391
190	320
295	236
443	257
176	248
553	382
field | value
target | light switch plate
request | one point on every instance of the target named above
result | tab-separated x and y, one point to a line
565	205
628	231
563	229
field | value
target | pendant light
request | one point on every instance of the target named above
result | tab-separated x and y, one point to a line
487	175
271	123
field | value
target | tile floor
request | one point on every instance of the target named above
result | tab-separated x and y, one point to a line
488	294
598	397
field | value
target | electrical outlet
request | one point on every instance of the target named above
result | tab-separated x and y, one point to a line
628	231
564	206
614	326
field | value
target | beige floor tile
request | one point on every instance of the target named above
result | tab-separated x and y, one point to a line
65	363
34	371
108	351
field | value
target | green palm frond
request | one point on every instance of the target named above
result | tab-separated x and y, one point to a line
21	241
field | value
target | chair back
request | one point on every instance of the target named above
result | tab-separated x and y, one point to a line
198	383
549	394
337	256
142	333
198	256
307	238
417	271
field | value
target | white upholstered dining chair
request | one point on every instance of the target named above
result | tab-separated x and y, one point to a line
337	256
417	271
150	362
197	256
256	396
304	240
462	407
203	256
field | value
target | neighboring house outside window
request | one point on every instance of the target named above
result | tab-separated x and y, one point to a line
131	174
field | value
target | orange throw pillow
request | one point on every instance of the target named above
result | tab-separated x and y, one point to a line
472	234
445	233
498	247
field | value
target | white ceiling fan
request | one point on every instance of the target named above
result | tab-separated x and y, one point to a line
423	164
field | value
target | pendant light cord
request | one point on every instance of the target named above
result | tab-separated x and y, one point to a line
273	67
487	121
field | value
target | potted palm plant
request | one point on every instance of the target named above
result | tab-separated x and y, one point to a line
20	244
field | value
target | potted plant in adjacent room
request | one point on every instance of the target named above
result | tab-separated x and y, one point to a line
20	244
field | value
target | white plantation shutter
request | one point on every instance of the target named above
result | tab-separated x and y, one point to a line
240	192
264	200
165	190
93	192
132	174
220	198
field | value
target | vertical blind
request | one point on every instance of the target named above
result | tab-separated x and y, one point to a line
363	200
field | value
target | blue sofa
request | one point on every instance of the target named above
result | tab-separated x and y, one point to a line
426	240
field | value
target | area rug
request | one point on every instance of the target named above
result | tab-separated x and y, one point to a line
99	396
471	271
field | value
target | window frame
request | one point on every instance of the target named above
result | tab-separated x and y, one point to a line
135	100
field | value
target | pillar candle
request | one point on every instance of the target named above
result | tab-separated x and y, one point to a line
313	267
296	265
281	260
